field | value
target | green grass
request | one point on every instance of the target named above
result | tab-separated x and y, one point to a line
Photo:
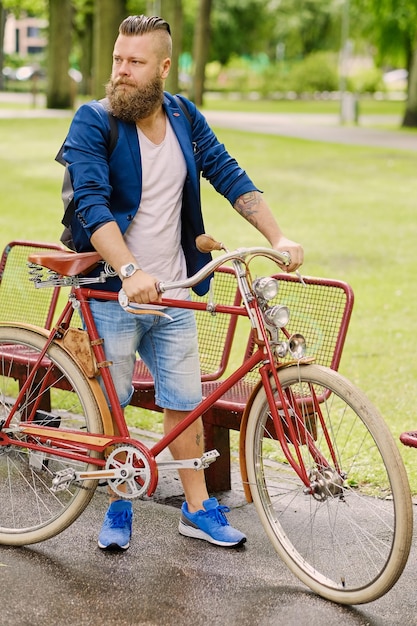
353	209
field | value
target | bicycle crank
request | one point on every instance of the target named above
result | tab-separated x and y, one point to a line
130	471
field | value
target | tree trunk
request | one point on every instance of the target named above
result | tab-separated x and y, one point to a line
200	50
86	60
59	93
108	14
410	117
3	15
171	11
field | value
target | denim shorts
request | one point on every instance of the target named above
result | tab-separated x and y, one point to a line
168	347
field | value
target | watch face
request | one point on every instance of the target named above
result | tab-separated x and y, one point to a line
127	270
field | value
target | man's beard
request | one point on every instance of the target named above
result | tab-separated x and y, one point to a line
135	103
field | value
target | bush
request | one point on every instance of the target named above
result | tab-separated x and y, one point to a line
317	72
367	81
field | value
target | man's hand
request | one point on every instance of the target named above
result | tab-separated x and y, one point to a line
295	252
254	209
141	288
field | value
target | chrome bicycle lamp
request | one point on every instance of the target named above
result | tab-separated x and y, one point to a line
277	316
281	349
297	346
266	288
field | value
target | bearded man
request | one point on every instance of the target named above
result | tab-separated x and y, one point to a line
140	208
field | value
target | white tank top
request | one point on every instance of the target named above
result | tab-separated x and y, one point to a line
154	236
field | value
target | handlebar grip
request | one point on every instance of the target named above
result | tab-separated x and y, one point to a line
288	257
207	243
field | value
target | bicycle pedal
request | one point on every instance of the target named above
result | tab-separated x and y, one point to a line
63	479
209	457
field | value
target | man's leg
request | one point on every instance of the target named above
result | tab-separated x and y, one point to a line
119	331
201	517
188	446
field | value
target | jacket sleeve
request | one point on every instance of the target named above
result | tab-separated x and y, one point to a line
214	162
86	152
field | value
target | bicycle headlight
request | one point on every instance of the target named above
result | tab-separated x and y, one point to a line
297	346
266	288
281	349
277	315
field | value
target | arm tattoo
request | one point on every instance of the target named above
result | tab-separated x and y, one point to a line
247	204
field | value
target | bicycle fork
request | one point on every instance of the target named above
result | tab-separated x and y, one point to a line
290	420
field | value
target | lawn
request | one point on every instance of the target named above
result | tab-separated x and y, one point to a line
353	209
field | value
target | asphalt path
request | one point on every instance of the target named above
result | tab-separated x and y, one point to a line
165	579
319	127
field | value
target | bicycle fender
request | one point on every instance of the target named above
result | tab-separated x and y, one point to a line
242	442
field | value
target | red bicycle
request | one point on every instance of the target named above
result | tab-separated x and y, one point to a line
324	472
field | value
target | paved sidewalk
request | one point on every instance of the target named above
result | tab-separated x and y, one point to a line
319	127
166	580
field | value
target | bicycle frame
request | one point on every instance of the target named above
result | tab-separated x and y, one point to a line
44	437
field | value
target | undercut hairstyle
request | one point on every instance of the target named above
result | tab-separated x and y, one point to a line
142	24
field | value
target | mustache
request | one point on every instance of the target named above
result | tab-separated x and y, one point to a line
123	81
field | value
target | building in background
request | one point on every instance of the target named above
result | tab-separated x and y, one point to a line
25	36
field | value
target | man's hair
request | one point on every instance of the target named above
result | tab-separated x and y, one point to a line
141	24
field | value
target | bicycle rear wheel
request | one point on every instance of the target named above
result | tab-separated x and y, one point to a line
59	397
350	539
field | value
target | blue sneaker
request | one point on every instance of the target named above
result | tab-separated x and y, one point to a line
117	526
210	524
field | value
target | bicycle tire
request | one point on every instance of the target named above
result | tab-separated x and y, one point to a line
30	511
351	546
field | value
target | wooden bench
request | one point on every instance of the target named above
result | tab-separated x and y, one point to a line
320	309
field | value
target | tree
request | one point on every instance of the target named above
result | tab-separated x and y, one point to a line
201	50
108	14
393	30
410	115
59	93
171	11
82	52
3	15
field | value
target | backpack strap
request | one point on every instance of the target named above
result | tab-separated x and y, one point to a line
114	130
184	109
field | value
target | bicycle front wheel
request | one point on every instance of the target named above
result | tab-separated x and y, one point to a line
59	397
348	535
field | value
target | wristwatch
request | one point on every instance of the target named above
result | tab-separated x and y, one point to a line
126	271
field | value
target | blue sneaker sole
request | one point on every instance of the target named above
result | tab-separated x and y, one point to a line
114	547
197	533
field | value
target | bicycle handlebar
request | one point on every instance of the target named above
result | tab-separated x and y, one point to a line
239	255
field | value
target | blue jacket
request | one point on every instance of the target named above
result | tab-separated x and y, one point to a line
109	189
